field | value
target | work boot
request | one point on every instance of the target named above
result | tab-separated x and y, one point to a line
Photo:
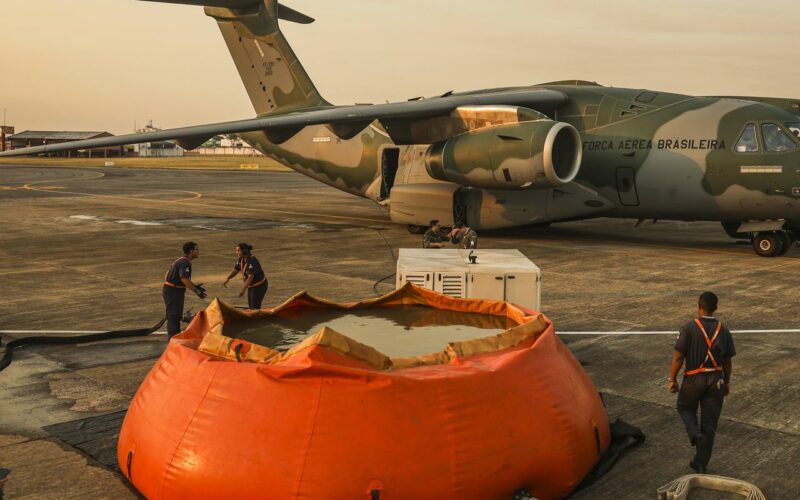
697	467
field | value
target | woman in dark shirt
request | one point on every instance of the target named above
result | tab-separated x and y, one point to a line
255	281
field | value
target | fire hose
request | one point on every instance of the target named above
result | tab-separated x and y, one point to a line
79	339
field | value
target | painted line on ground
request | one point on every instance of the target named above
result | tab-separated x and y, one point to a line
76	332
188	206
674	332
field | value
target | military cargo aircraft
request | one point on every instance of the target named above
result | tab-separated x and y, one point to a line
505	157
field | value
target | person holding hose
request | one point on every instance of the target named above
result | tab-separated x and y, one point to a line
255	281
177	279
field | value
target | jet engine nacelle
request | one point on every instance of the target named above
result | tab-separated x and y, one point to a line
534	154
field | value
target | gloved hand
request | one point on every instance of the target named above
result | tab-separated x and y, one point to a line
188	316
200	291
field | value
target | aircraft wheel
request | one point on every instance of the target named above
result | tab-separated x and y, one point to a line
414	229
768	243
786	240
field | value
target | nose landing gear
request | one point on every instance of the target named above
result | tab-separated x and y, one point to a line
773	243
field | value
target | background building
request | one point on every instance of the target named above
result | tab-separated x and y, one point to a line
31	138
160	148
227	145
5	132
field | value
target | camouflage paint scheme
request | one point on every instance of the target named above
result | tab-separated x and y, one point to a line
636	153
645	154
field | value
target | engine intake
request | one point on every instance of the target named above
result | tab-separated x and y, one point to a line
535	154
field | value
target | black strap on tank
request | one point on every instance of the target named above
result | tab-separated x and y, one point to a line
597	439
79	339
128	464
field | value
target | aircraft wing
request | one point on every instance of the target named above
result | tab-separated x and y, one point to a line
398	119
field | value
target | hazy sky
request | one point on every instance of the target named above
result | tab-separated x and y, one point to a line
107	64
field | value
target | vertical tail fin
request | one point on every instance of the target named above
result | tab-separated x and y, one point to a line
273	76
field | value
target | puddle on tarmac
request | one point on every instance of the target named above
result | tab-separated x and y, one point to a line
139	223
397	331
85	217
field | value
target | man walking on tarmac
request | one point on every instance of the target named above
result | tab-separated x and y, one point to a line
707	347
176	281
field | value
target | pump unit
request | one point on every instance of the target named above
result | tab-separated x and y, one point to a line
495	274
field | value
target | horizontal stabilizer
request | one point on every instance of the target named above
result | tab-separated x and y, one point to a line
284	12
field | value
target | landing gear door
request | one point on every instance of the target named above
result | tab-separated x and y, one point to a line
626	186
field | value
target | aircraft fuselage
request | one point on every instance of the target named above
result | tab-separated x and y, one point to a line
646	154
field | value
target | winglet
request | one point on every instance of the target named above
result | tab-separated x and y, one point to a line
293	16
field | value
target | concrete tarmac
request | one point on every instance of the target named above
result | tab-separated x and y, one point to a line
86	249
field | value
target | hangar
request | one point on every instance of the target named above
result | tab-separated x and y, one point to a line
30	138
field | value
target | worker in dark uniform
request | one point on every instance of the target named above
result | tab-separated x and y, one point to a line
464	236
176	281
255	281
707	348
3	479
433	237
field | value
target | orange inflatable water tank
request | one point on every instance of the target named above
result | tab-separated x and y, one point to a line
333	418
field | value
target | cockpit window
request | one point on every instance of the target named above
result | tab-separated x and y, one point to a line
775	139
794	128
748	143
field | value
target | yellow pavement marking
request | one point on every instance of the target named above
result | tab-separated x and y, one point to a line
44	189
206	205
98	175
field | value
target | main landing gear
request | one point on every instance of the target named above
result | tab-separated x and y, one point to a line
773	243
767	241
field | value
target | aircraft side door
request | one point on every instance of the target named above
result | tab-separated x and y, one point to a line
389	162
626	186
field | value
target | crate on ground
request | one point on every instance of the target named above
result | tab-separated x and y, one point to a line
496	274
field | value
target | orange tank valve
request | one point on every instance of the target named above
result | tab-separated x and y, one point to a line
240	347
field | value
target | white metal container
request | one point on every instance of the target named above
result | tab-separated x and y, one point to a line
496	274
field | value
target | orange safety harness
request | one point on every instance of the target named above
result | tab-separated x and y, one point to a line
243	266
173	285
709	355
259	283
